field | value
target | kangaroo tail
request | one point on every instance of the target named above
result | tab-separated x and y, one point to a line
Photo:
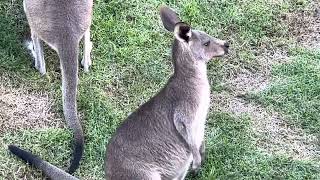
68	52
77	154
50	170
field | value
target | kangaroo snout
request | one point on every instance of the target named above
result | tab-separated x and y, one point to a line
226	46
221	47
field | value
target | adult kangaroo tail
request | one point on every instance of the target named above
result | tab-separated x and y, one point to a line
68	52
50	170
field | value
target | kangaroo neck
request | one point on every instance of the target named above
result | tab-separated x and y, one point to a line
187	68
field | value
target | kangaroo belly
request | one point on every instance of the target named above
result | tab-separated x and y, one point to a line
54	19
198	127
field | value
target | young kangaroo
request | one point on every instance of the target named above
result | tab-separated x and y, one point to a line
62	24
165	135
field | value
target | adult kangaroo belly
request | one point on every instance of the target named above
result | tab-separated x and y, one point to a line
52	19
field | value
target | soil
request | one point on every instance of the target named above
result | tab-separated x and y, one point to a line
20	109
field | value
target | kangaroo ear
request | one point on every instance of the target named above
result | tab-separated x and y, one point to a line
182	32
169	18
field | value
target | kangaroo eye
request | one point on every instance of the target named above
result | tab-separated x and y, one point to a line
207	43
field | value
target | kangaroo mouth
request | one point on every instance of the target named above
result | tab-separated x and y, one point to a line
225	51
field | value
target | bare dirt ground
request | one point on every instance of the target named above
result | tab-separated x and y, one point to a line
274	135
20	109
305	25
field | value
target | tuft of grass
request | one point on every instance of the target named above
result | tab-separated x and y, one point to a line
232	154
296	91
50	144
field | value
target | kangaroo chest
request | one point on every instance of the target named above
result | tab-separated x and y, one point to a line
198	126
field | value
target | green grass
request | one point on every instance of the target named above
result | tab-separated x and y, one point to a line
232	154
131	59
296	90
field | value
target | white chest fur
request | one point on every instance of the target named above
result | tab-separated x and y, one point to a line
198	126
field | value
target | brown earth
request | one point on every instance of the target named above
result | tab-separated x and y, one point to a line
20	109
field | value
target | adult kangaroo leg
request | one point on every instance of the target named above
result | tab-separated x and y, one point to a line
86	61
39	62
68	53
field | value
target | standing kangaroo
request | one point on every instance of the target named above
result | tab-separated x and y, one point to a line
62	24
165	135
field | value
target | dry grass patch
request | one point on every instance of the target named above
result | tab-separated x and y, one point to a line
20	109
274	133
305	25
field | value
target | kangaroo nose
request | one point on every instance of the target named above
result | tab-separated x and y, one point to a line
226	44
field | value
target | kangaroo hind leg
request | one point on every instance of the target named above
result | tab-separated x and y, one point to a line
37	51
86	61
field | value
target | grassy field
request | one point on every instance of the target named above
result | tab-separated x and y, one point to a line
131	62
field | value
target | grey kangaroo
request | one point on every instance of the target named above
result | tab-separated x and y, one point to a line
164	136
62	24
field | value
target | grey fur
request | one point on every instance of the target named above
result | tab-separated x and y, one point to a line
50	170
62	24
163	136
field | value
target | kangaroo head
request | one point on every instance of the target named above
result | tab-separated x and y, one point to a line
202	46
